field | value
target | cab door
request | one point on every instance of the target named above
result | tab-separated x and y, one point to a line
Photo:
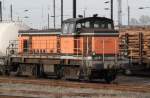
87	45
25	46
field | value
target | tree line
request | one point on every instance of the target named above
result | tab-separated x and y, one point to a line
143	20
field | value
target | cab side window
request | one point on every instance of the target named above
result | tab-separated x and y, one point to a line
78	27
96	25
65	28
68	28
110	26
71	28
87	24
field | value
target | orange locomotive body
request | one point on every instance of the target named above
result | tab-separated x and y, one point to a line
85	48
49	44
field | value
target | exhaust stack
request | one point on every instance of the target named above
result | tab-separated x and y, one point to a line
74	8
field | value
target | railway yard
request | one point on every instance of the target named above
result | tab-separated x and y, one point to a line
135	45
84	57
123	87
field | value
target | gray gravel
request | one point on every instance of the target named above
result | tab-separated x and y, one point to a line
43	91
62	92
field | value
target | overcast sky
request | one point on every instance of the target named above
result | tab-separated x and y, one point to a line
39	9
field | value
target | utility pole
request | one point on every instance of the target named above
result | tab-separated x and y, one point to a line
54	14
119	13
48	21
74	8
11	12
1	16
128	15
84	13
111	9
62	9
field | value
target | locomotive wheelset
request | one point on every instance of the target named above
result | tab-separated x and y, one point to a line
84	48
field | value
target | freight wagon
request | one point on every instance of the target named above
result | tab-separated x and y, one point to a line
134	44
85	49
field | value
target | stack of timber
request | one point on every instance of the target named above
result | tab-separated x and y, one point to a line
135	44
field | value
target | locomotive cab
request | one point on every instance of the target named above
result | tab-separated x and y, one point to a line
96	40
86	25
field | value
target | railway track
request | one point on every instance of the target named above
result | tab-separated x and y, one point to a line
38	93
119	87
6	96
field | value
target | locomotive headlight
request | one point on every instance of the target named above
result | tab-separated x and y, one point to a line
1	62
93	53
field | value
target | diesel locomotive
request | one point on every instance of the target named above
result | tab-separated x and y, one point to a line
84	49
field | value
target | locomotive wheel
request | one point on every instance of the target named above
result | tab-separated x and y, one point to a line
2	70
37	71
110	76
127	72
7	73
16	71
70	73
85	77
60	74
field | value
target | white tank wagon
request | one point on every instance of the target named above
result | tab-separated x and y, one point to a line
9	31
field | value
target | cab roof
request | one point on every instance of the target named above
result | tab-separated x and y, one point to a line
86	19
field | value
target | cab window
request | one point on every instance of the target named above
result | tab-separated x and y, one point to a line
71	28
65	28
68	28
87	24
102	25
109	26
78	26
96	25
